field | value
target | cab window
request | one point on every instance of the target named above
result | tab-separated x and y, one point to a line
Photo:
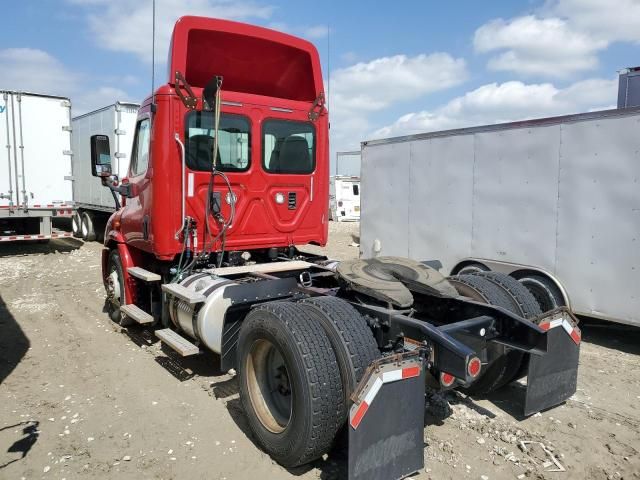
140	157
288	147
234	146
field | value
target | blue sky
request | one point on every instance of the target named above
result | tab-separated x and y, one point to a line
395	67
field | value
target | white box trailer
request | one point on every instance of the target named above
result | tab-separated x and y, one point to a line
344	198
35	172
95	203
554	202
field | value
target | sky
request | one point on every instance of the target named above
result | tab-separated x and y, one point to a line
390	68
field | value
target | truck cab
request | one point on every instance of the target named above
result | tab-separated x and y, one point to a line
272	147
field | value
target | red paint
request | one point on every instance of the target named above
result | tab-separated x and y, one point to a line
576	335
262	70
359	415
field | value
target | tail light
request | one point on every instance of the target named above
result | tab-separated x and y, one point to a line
446	379
473	367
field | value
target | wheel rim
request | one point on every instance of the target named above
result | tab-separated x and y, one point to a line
268	384
75	227
114	289
541	293
85	229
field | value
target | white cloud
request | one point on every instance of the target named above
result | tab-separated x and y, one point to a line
366	88
539	46
617	21
32	70
315	32
509	101
29	69
126	26
561	38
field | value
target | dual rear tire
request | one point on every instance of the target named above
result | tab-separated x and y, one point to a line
288	357
503	291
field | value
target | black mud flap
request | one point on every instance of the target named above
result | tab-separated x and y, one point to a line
386	421
553	377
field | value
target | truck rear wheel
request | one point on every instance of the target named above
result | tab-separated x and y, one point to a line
350	336
289	389
527	303
506	363
114	284
88	232
76	225
545	291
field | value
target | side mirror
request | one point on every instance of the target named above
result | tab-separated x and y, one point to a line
100	156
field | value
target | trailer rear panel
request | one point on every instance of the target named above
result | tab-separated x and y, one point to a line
36	167
118	122
560	194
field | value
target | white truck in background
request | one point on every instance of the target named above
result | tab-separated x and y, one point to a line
94	203
35	173
553	202
344	198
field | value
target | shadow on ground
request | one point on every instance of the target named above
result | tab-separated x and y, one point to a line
13	342
56	245
22	446
624	338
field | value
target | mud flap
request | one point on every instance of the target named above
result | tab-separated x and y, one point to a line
553	377
386	421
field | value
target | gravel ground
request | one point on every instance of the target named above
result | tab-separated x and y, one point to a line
81	397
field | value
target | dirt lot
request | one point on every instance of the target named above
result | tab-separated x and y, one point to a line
81	397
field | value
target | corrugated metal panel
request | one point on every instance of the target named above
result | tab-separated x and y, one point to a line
385	203
516	194
117	121
599	217
440	206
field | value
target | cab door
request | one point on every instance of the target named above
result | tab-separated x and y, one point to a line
135	220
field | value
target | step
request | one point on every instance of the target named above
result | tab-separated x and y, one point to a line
183	293
143	274
180	344
136	313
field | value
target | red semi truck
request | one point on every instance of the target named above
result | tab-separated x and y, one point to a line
229	175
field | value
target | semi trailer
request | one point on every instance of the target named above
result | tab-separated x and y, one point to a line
35	186
94	203
552	202
344	198
228	181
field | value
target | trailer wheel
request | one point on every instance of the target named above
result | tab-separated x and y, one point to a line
527	303
545	291
88	232
114	285
288	383
507	362
472	268
76	225
350	336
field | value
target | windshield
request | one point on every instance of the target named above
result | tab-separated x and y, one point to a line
289	147
234	147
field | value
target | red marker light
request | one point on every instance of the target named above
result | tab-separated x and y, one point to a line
474	366
446	379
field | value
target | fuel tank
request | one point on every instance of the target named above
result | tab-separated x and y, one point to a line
203	321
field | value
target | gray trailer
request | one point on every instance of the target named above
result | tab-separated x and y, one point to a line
553	202
94	203
35	172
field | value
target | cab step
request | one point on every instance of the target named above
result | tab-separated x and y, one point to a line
183	293
143	274
136	313
180	344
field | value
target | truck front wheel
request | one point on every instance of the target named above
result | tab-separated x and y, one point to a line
114	284
289	386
